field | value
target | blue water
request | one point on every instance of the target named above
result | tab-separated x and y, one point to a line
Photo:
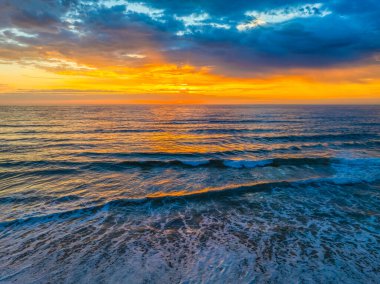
190	194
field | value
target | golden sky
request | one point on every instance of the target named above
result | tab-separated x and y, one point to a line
120	52
168	83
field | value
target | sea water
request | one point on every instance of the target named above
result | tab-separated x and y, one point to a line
190	194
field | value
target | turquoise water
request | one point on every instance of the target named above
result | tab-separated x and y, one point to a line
190	194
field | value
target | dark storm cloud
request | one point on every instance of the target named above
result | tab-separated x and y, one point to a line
216	33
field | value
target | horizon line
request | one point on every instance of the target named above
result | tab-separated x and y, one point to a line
193	104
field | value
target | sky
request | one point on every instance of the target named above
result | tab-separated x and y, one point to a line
171	51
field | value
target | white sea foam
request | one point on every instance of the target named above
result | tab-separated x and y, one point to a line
356	170
238	164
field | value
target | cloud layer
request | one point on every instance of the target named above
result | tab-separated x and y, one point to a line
249	35
139	39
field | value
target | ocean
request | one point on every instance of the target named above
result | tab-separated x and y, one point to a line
190	194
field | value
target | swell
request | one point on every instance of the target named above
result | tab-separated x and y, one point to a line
242	121
29	125
94	131
230	163
309	138
184	197
36	198
184	163
67	168
314	137
198	155
231	130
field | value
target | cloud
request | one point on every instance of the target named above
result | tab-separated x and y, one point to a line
282	15
3	87
233	37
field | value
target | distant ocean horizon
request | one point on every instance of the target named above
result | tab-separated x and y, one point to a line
187	104
190	194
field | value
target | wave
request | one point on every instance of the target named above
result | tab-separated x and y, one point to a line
28	125
231	130
368	144
74	167
94	131
209	163
38	198
191	155
162	199
20	199
230	163
243	121
315	137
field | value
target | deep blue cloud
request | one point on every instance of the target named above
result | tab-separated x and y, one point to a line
220	33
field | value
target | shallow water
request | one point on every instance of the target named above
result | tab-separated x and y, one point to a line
190	194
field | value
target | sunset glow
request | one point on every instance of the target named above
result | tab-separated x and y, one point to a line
109	52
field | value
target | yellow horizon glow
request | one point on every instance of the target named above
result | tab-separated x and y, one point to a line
82	83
